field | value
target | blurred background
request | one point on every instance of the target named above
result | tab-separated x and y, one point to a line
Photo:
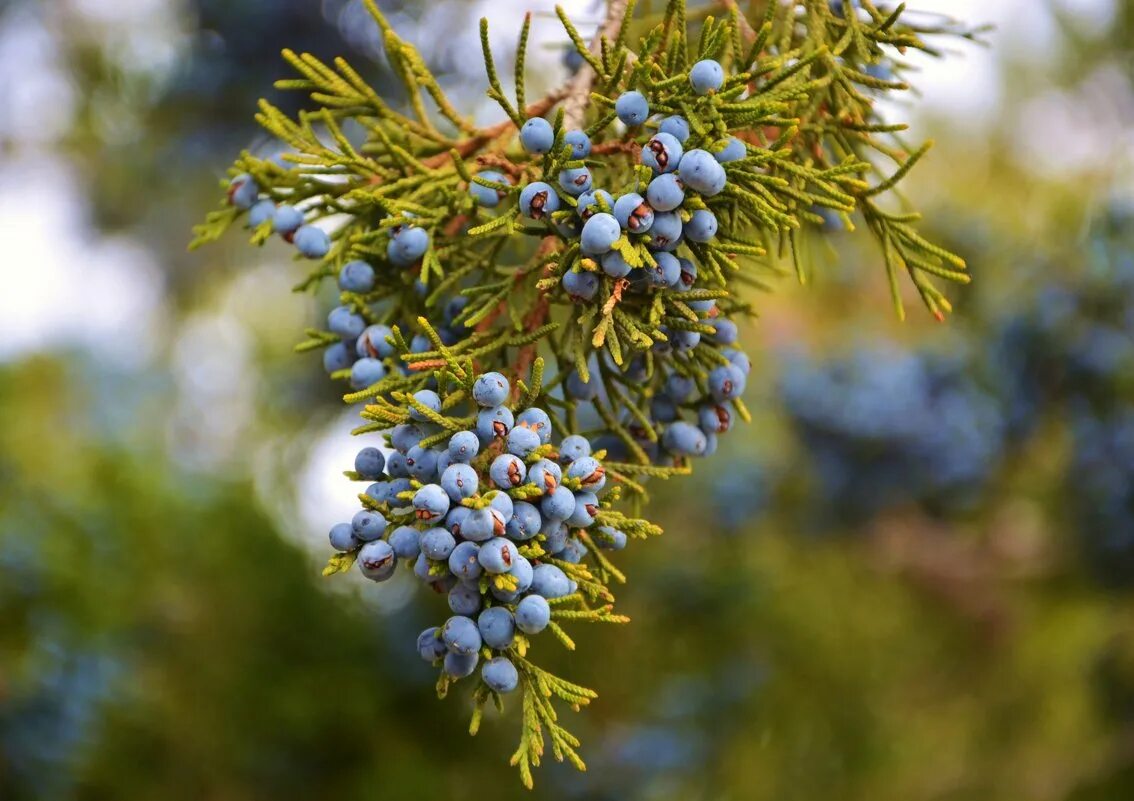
912	577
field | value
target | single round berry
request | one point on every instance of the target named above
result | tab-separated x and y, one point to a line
589	203
490	390
684	341
591	474
706	76
487	196
428	399
408	246
372	342
521	441
507	471
582	390
662	409
463	446
502	504
548	581
430	645
634	213
614	265
586	509
726	382
497	627
665	192
580	285
667	273
662	153
287	220
366	372
580	144
538	200
688	274
609	538
524	523
369	463
243	191
500	675
702	173
701	227
576	180
538	421
733	151
377	560
356	276
337	357
679	387
574	447
537	136
346	323
714	419
464	599
739	359
368	525
675	126
481	524
459	481
461	665
572	551
493	424
463	561
667	231
632	108
430	503
557	504
261	212
496	555
406	542
532	614
545	474
437	543
405	436
342	537
312	242
555	535
600	233
684	439
726	331
422	463
461	635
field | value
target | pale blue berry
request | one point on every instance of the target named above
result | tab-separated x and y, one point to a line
396	465
461	635
366	372
525	522
726	382
538	421
427	398
665	192
733	151
493	424
667	230
437	543
557	504
667	273
702	173
491	389
714	419
368	525
456	519
463	561
663	409
430	503
497	627
507	471
545	474
684	341
590	473
521	441
422	463
485	195
537	136
500	675
346	323
408	246
688	274
582	390
243	191
573	552
580	144
600	233
461	665
523	572
287	220
701	227
503	504
726	331
372	342
369	463
464	599
586	508
337	357
463	446
574	447
538	200
261	212
430	645
614	265
662	153
739	359
548	581
555	535
575	180
377	560
589	203
609	538
405	436
342	537
633	213
459	481
675	126
632	108
312	242
496	555
532	614
706	76
482	524
679	387
580	285
406	542
356	276
684	438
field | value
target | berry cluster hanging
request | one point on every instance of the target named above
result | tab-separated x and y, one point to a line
604	245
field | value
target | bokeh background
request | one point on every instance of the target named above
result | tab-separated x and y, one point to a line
910	578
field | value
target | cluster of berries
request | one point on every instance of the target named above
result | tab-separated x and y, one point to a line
491	516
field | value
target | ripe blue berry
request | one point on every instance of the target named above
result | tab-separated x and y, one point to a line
408	246
497	627
684	341
496	555
430	503
667	273
480	524
633	213
614	265
493	424
405	436
733	151
662	153
369	463
430	645
632	108
576	180
599	234
714	419
463	446
287	220
706	76
545	474
312	242
427	398
502	504
422	463
609	538
555	535
261	212
356	276
538	421
572	551
538	200
524	523
702	173
523	571
461	665
680	388
406	542
420	344
437	543
590	473
491	389
532	614
521	441
377	560
500	675
726	331
342	537
485	195
701	227
548	581
557	504
464	599
507	471
573	447
582	390
243	191
675	126
726	382
739	359
345	323
337	357
580	144
463	561
366	372
537	136
372	342
368	526
665	192
461	635
586	508
667	230
688	274
459	481
684	438
580	285
589	203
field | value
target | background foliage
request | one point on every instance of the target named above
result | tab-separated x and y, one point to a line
796	635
